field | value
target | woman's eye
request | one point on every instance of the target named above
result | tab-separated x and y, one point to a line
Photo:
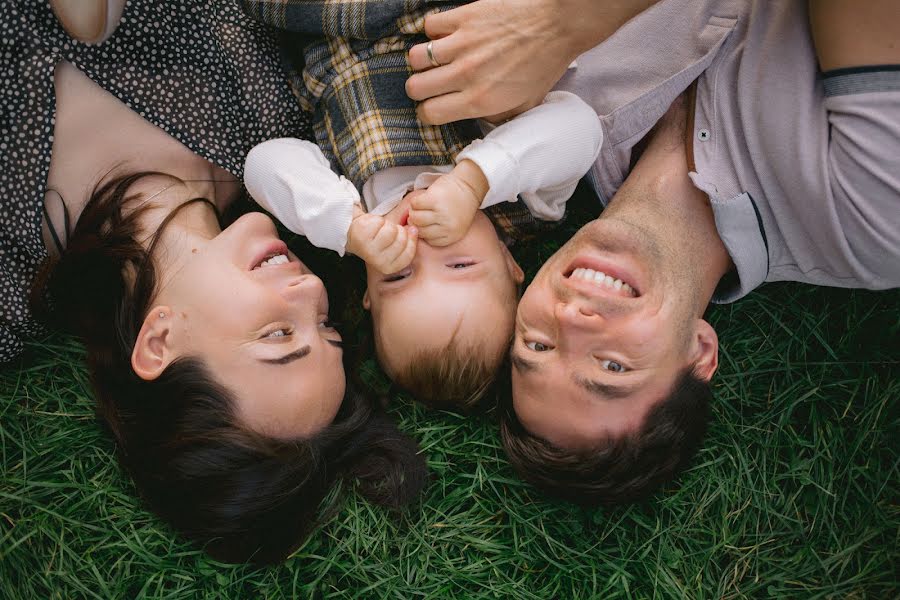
537	346
611	365
278	333
327	324
460	265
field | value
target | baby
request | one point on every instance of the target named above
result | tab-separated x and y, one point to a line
442	287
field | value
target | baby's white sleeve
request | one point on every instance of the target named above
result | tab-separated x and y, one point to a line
292	179
540	154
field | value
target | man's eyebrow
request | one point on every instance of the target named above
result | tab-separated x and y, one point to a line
521	364
604	391
296	355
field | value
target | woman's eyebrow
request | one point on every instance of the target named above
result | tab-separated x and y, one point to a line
296	355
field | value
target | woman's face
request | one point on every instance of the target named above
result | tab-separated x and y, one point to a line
253	313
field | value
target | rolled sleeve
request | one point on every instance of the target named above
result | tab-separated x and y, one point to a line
863	107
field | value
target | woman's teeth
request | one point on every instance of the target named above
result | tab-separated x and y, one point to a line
278	259
602	279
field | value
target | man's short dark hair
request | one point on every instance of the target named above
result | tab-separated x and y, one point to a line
618	470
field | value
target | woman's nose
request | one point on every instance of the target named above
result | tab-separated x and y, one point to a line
302	286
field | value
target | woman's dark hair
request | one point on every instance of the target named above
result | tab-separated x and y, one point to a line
243	495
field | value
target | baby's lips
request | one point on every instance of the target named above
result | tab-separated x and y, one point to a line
404	219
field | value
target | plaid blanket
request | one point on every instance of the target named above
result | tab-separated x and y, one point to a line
347	64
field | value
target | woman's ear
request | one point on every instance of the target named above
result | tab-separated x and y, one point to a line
154	349
705	352
515	271
367	304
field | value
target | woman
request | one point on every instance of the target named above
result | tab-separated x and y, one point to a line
209	349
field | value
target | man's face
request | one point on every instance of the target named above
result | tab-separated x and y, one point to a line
601	335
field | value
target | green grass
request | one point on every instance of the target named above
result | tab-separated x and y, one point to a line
794	493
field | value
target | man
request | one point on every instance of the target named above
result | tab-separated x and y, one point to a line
779	159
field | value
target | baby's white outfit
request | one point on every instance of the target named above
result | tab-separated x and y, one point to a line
539	156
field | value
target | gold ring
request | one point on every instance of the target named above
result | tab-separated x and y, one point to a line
429	50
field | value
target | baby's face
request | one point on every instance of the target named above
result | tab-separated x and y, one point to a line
467	289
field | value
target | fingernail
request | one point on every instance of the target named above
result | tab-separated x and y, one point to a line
413	230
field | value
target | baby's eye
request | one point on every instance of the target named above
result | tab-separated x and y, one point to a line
397	276
537	346
611	365
460	264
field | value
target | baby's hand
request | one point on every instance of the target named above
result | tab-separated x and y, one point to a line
385	246
444	211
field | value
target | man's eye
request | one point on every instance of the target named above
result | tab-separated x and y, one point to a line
611	365
278	333
537	346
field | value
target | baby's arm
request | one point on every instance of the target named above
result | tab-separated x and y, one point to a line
540	155
291	179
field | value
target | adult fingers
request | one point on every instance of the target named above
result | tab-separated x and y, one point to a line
442	24
447	108
434	82
444	51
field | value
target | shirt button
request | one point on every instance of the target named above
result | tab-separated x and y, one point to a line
703	135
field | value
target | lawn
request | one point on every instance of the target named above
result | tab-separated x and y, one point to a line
794	494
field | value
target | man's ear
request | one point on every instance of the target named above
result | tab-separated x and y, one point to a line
154	348
705	351
515	271
367	304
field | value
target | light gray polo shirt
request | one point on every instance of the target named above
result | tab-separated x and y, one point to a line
802	169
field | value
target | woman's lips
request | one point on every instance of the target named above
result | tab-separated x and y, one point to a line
268	250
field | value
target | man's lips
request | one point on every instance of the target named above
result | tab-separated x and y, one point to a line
593	276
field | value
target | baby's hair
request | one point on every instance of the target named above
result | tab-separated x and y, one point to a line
456	377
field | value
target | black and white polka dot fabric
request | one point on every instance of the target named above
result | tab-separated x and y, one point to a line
200	70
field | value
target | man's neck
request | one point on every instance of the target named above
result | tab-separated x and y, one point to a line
659	196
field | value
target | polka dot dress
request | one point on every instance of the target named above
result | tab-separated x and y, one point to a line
200	70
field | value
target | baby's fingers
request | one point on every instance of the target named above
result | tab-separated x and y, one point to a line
403	250
423	218
435	235
385	236
424	200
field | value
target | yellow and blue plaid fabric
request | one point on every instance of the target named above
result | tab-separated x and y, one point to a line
347	63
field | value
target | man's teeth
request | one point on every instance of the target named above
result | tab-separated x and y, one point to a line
601	278
278	259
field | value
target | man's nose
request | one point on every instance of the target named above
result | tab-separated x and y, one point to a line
577	314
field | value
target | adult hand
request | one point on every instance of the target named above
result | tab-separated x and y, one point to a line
444	211
383	245
500	57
